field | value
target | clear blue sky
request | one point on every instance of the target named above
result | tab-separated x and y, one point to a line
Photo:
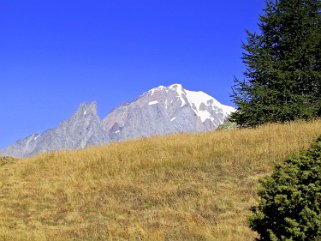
57	54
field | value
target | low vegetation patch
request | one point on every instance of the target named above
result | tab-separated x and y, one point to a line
181	187
290	200
6	160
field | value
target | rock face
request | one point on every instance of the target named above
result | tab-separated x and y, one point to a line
160	111
83	129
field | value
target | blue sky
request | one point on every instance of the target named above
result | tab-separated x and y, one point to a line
58	54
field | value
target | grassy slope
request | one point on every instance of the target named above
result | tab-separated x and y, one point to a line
183	187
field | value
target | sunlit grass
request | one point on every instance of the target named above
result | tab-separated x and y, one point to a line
181	187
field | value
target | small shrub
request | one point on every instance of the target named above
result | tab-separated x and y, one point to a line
290	200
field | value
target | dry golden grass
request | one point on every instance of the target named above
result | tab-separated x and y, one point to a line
181	187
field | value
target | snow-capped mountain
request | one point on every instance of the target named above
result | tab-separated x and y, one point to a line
166	110
160	111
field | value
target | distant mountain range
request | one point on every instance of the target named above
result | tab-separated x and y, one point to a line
162	110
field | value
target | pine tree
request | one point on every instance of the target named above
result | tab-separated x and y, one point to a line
283	76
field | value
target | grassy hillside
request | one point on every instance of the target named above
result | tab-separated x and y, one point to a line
182	187
6	159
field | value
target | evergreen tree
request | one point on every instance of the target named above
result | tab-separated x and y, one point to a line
283	76
290	200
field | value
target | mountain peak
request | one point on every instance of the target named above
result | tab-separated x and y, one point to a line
176	87
173	87
87	109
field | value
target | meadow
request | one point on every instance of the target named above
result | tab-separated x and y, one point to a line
178	187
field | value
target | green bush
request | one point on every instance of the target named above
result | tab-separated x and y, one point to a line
290	200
